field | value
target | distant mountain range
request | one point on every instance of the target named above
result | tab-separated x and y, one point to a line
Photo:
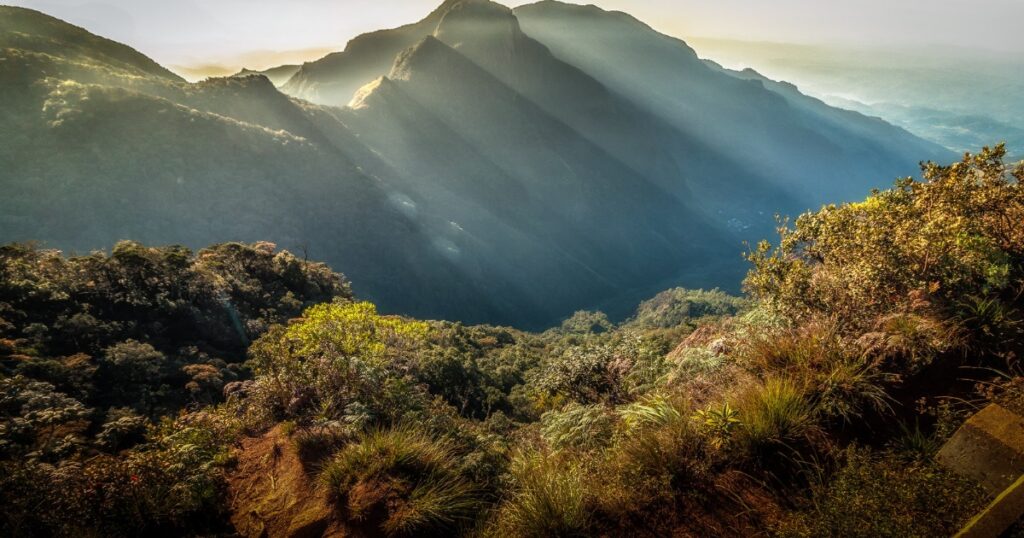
962	99
483	164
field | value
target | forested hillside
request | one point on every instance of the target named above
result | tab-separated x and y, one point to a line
243	389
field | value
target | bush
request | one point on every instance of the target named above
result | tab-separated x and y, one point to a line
953	235
169	486
680	306
401	481
341	361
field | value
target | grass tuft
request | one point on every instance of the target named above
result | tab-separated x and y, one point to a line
401	480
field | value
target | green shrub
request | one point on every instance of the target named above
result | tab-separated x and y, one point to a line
852	386
341	361
402	481
952	235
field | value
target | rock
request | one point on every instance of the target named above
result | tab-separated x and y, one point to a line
989	448
1004	511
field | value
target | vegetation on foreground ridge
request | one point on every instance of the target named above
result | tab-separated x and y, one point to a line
132	385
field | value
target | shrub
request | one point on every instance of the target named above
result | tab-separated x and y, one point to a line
680	306
993	324
952	235
852	386
172	485
910	341
341	361
402	481
583	374
718	422
655	410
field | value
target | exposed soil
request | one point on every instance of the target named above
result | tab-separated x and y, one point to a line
272	494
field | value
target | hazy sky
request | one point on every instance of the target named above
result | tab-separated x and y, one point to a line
227	32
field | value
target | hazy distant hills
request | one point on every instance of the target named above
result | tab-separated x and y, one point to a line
482	164
277	75
961	99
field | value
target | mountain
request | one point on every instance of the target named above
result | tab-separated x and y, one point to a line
473	166
961	98
803	151
278	75
334	78
695	129
100	151
497	154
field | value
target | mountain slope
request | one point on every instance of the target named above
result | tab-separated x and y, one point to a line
277	75
741	118
99	152
589	216
334	78
27	29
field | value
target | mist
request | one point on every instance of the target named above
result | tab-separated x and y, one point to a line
216	37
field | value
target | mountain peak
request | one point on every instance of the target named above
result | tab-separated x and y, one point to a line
428	50
364	97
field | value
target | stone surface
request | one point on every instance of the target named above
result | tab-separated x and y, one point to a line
1003	512
989	448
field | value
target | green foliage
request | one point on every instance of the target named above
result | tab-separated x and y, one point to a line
656	410
341	361
171	484
992	323
584	374
718	421
402	481
684	307
583	323
950	236
668	409
149	328
38	421
657	456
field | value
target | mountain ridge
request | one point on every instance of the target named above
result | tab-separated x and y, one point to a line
477	175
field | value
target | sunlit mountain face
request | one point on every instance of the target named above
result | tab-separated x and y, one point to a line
480	164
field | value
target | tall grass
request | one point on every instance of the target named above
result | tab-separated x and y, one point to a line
405	475
774	412
549	500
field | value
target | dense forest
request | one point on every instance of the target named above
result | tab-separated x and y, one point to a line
242	389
